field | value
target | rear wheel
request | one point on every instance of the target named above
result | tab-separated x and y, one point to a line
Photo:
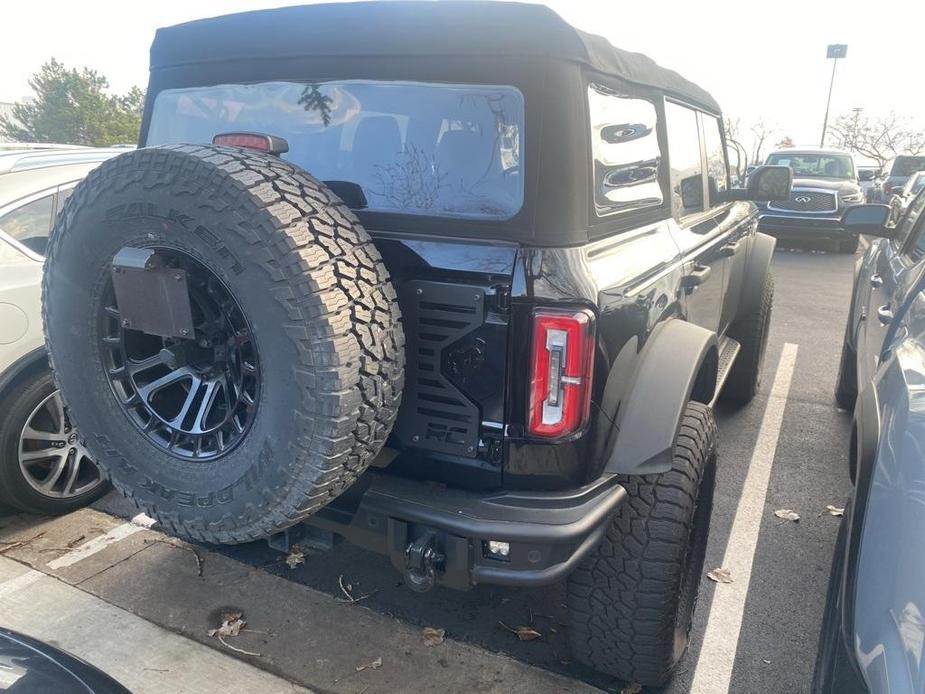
44	466
631	602
291	380
751	331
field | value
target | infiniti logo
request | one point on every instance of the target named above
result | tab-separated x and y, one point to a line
803	199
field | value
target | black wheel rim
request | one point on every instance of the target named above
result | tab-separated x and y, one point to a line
194	398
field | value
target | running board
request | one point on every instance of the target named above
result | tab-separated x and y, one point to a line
727	357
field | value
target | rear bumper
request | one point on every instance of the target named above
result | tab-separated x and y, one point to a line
803	228
549	532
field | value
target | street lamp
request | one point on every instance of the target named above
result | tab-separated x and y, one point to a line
834	51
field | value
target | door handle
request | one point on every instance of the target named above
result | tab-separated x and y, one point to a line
730	249
876	281
885	314
696	277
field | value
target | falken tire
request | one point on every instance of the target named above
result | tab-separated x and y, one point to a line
631	602
751	331
321	312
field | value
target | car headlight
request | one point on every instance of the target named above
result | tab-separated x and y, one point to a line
852	197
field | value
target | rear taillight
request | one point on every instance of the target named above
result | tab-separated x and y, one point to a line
263	143
560	384
888	188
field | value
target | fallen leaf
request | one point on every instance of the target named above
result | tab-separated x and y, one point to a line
834	510
372	665
524	633
231	625
433	637
719	575
787	514
295	557
632	688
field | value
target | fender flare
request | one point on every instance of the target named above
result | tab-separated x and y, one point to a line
757	268
650	417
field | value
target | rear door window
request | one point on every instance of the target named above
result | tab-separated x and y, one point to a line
624	145
685	160
414	148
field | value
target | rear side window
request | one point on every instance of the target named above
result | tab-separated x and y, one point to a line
440	150
30	224
684	157
624	145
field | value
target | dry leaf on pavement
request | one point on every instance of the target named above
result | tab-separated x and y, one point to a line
835	510
433	637
719	575
231	625
787	514
632	688
295	557
524	633
372	665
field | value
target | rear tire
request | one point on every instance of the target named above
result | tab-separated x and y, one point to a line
631	602
276	262
751	331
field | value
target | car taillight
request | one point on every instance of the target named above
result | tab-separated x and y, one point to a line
887	187
562	363
263	143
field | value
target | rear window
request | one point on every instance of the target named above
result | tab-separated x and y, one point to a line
906	166
414	148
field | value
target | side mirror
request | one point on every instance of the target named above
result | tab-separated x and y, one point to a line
765	184
870	220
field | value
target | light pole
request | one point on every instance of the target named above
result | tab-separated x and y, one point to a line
834	51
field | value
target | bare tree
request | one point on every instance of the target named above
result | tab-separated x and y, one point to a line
880	138
761	131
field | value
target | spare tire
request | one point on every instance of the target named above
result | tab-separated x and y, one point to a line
292	380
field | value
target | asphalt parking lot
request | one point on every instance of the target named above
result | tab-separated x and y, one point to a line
787	449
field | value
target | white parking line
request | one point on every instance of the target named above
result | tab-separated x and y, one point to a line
717	654
97	544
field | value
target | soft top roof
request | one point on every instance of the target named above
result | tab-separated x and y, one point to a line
409	28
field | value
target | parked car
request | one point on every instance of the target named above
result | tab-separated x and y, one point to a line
895	173
825	184
29	666
899	201
478	329
873	625
867	179
44	466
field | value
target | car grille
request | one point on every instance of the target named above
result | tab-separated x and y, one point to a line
807	201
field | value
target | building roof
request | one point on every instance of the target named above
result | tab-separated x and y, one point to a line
410	28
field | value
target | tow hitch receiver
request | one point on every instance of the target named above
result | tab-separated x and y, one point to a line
422	560
151	297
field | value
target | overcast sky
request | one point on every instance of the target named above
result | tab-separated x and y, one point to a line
762	60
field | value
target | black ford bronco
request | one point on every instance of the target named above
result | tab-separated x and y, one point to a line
454	281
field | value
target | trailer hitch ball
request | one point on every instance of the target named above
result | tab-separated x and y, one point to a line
422	561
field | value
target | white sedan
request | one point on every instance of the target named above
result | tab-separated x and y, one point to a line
44	467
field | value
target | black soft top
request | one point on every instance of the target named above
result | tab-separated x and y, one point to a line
408	28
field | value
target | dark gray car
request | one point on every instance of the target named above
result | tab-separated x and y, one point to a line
873	634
